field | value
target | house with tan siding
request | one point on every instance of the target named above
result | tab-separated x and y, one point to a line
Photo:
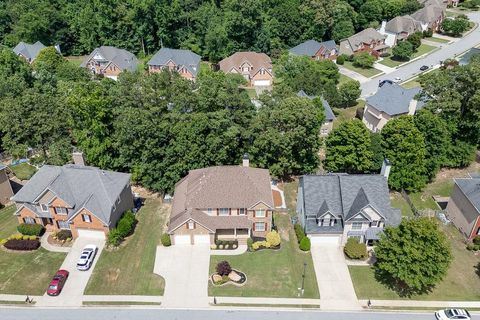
255	67
332	208
110	61
224	203
85	200
184	62
463	208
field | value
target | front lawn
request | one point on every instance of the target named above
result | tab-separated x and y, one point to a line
8	222
366	72
23	171
343	78
271	273
129	269
411	84
461	282
423	49
28	273
438	40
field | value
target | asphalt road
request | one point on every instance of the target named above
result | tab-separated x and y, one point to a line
413	69
177	314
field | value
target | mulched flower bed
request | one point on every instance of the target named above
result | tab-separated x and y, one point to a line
58	243
228	279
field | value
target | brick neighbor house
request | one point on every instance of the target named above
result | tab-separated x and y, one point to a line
86	200
316	50
463	208
255	67
110	61
185	62
224	202
368	40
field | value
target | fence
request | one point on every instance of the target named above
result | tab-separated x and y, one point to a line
420	212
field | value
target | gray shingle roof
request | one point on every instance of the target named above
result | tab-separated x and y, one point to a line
365	36
29	51
470	187
402	24
393	99
311	47
347	195
79	186
329	115
429	14
122	58
180	57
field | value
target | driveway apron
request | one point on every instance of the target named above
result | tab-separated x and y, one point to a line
334	282
72	293
185	270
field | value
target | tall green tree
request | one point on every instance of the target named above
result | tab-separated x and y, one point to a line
413	257
348	148
404	145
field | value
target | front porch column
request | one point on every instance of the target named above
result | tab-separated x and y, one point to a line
249	233
235	233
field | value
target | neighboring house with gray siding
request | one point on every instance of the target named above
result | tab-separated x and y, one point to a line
463	208
327	125
110	61
391	100
316	50
332	208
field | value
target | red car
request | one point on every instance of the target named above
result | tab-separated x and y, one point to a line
57	283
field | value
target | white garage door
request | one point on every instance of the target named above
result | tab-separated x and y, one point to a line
182	239
327	240
87	233
261	83
201	238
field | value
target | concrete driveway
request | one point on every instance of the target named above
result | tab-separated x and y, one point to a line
185	269
333	278
72	293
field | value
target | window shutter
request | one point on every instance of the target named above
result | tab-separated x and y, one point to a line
194	225
229	211
266	225
254	213
254	226
266	213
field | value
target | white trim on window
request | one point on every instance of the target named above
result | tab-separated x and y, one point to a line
86	218
242	212
260	213
259	226
190	225
357	225
223	212
210	211
29	220
44	207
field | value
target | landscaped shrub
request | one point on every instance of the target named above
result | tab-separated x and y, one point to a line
355	250
32	237
17	236
299	232
341	59
249	243
476	240
260	244
165	239
31	229
126	224
273	238
63	235
305	244
22	245
114	238
223	268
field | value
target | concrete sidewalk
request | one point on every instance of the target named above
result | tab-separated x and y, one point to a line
265	301
240	250
421	304
122	298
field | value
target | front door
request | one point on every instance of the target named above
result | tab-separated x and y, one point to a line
47	221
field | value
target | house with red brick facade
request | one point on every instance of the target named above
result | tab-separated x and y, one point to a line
316	50
85	200
110	61
368	40
224	203
185	62
255	67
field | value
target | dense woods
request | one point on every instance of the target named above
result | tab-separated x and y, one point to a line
211	28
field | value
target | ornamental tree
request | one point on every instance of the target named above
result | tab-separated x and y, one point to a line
224	268
363	60
412	257
403	51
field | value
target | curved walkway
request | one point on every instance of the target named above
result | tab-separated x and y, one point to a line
47	246
240	250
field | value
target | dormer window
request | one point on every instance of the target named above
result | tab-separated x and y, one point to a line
44	207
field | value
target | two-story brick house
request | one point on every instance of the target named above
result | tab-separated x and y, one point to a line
223	202
255	67
368	40
110	61
316	50
332	208
184	62
85	200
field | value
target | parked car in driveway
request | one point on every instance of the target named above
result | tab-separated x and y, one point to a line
57	283
382	82
86	257
423	68
397	80
450	314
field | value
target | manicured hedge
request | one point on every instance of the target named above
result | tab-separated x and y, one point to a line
305	244
125	227
299	232
165	239
355	250
29	229
22	245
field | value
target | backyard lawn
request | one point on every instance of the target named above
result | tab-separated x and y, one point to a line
461	282
271	273
77	60
129	270
368	72
423	49
23	171
400	203
344	114
24	272
290	192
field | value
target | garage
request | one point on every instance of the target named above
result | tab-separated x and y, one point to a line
182	239
262	83
325	240
201	239
88	233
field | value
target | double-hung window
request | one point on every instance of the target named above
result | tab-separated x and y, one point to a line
242	211
44	207
356	226
223	212
259	226
86	218
29	220
260	213
60	210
